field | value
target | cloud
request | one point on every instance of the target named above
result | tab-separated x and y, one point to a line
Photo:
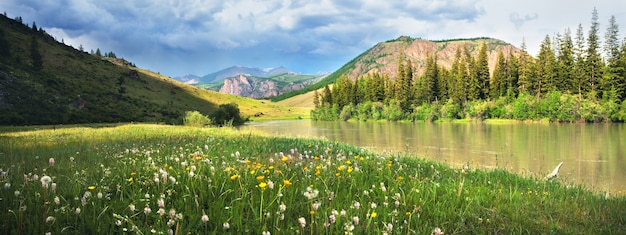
518	20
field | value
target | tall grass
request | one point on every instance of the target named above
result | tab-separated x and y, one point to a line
178	180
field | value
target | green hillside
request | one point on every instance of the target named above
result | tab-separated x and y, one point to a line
43	81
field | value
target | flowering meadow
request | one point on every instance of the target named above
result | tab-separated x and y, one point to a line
157	179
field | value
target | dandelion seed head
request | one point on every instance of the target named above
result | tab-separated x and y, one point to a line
45	181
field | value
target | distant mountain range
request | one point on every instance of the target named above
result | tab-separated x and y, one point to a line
230	72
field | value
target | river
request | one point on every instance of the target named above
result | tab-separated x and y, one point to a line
592	154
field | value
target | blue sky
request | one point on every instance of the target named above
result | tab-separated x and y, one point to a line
177	37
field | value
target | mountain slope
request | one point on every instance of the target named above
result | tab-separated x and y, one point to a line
383	58
72	86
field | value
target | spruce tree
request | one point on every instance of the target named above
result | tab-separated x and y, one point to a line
482	72
499	79
565	63
545	67
612	73
579	74
593	59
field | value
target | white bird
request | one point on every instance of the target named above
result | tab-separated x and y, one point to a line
555	172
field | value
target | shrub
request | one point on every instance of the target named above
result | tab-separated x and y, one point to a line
195	118
227	114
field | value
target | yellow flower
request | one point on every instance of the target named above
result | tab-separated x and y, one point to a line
340	168
389	163
312	212
285	159
374	214
188	169
133	173
399	178
348	162
287	183
234	177
337	174
93	187
262	185
318	173
130	179
198	158
350	169
316	158
306	168
260	177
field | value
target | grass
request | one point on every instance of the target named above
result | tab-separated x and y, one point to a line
161	179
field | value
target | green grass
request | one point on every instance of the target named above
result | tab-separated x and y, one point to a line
173	176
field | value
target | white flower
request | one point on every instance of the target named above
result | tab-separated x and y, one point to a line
45	181
282	207
131	207
311	193
17	193
266	233
57	200
51	161
205	218
302	221
147	209
226	225
50	219
77	210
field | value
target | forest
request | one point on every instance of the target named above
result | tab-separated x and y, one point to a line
574	78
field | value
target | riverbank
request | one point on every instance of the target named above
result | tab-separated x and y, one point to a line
155	178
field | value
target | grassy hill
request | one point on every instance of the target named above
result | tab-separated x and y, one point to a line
71	86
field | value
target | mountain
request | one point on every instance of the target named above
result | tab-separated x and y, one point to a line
43	81
257	87
189	79
383	58
239	70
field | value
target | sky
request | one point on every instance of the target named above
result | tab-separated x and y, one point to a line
178	37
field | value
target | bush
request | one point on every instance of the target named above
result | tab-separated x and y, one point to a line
425	112
227	114
195	118
346	113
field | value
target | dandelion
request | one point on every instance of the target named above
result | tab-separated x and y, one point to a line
302	222
45	181
51	161
374	215
284	159
205	218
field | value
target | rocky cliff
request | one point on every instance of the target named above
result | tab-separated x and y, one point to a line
255	87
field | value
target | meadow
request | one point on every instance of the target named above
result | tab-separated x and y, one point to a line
159	179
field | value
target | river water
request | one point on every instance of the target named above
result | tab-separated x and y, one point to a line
592	154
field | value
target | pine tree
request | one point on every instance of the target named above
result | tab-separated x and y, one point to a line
526	78
499	79
316	99
512	75
327	97
482	72
545	67
578	78
593	60
612	73
564	80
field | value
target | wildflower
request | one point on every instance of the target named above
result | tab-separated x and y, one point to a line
50	219
357	205
161	202
437	231
91	187
332	218
373	205
282	207
226	225
7	185
302	222
311	193
100	195
53	187
131	207
205	218
374	215
260	177
57	200
77	211
45	181
270	184
389	227
287	183
172	213
147	210
234	177
316	205
17	193
284	159
51	161
355	220
262	185
266	233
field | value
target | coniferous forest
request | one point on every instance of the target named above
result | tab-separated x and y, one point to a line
574	78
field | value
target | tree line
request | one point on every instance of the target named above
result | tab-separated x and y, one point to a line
573	78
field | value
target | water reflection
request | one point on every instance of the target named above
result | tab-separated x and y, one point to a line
593	154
